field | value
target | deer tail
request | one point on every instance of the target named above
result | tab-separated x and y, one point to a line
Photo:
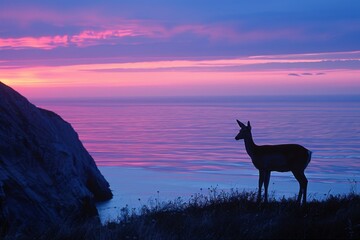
309	157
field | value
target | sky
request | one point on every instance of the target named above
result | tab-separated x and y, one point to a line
115	48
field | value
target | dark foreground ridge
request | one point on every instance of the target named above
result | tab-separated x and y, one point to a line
47	178
229	215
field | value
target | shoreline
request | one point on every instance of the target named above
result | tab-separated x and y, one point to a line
134	187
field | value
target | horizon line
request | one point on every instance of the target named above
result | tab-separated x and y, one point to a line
200	98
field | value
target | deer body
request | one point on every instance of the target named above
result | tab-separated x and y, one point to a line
280	158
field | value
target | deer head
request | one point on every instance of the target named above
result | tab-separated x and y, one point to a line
244	130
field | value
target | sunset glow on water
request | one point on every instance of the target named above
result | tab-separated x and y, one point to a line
179	145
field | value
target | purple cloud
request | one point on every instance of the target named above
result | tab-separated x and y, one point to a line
294	75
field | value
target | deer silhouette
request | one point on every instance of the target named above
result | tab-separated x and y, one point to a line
280	158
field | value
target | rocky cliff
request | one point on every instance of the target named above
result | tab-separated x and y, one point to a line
47	177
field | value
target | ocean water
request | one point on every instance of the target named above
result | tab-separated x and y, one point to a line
158	149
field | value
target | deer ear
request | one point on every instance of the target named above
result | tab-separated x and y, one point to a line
248	124
240	124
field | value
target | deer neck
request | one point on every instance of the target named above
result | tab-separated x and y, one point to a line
249	145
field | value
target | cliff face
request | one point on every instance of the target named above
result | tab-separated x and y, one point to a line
46	175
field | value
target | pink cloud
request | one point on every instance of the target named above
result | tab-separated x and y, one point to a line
89	37
45	42
112	35
83	79
98	28
68	82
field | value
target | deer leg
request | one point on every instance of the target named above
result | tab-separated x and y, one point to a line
305	189
266	183
300	177
261	181
304	183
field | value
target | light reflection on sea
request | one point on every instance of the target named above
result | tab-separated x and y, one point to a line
182	145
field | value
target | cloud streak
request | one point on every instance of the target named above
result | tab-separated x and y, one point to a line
306	74
45	42
139	31
294	74
91	27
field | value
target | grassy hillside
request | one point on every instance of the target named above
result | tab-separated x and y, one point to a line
228	215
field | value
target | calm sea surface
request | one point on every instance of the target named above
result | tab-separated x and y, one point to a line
162	148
